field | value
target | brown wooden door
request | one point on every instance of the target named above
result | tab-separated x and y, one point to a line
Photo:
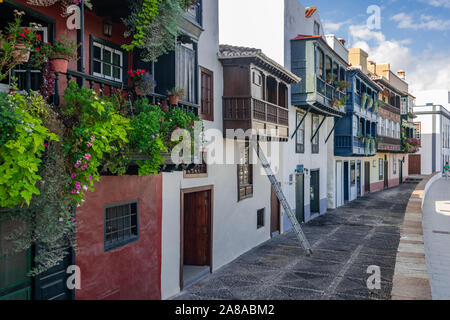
197	228
274	213
367	177
386	174
415	164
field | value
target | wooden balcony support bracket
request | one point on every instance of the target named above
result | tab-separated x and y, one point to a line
300	123
317	131
332	130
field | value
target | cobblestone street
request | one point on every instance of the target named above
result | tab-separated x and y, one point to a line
345	242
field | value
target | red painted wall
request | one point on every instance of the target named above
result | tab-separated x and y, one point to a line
134	270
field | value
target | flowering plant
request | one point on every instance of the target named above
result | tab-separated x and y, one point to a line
143	81
99	130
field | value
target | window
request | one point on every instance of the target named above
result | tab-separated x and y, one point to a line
380	164
200	170
121	225
107	62
207	95
260	218
358	86
316	28
336	71
395	164
185	70
328	68
300	137
257	78
314	127
245	175
321	62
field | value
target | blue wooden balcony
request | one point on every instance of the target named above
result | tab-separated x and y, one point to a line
348	146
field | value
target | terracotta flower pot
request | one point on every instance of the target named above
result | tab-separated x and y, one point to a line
60	64
173	100
21	53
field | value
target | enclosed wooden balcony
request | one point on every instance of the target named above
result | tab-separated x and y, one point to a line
255	93
251	113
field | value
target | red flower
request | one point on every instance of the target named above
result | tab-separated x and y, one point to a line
10	36
22	35
39	37
26	30
37	49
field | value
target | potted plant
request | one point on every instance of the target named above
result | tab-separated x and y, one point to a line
364	97
331	77
174	94
143	82
370	102
360	137
59	53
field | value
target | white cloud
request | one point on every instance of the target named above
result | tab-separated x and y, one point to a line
438	3
425	71
331	27
422	22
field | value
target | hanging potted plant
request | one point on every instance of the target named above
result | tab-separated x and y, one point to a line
364	97
331	77
175	94
143	82
370	102
60	53
360	137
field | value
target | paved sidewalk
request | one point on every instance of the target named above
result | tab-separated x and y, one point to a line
345	242
436	228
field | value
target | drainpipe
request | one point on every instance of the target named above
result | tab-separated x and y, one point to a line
80	40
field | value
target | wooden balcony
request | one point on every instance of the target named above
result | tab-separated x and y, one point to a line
250	113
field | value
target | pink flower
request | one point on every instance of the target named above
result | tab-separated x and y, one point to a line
74	191
87	156
89	144
90	177
73	219
73	175
83	168
92	138
78	185
85	164
77	165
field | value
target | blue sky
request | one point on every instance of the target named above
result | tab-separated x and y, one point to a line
414	35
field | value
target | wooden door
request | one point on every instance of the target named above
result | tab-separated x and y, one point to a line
197	228
339	185
400	176
366	177
415	164
274	212
300	198
386	174
358	179
14	267
315	191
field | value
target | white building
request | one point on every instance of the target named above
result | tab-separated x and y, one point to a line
212	216
433	118
299	167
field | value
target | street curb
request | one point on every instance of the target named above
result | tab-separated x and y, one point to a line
411	280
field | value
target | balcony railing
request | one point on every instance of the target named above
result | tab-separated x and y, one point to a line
251	108
329	91
106	87
350	145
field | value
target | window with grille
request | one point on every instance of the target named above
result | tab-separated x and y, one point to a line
121	225
107	62
245	175
207	95
300	136
260	218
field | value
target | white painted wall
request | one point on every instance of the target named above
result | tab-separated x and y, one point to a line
234	223
440	130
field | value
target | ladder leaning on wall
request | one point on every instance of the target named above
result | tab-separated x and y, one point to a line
287	208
